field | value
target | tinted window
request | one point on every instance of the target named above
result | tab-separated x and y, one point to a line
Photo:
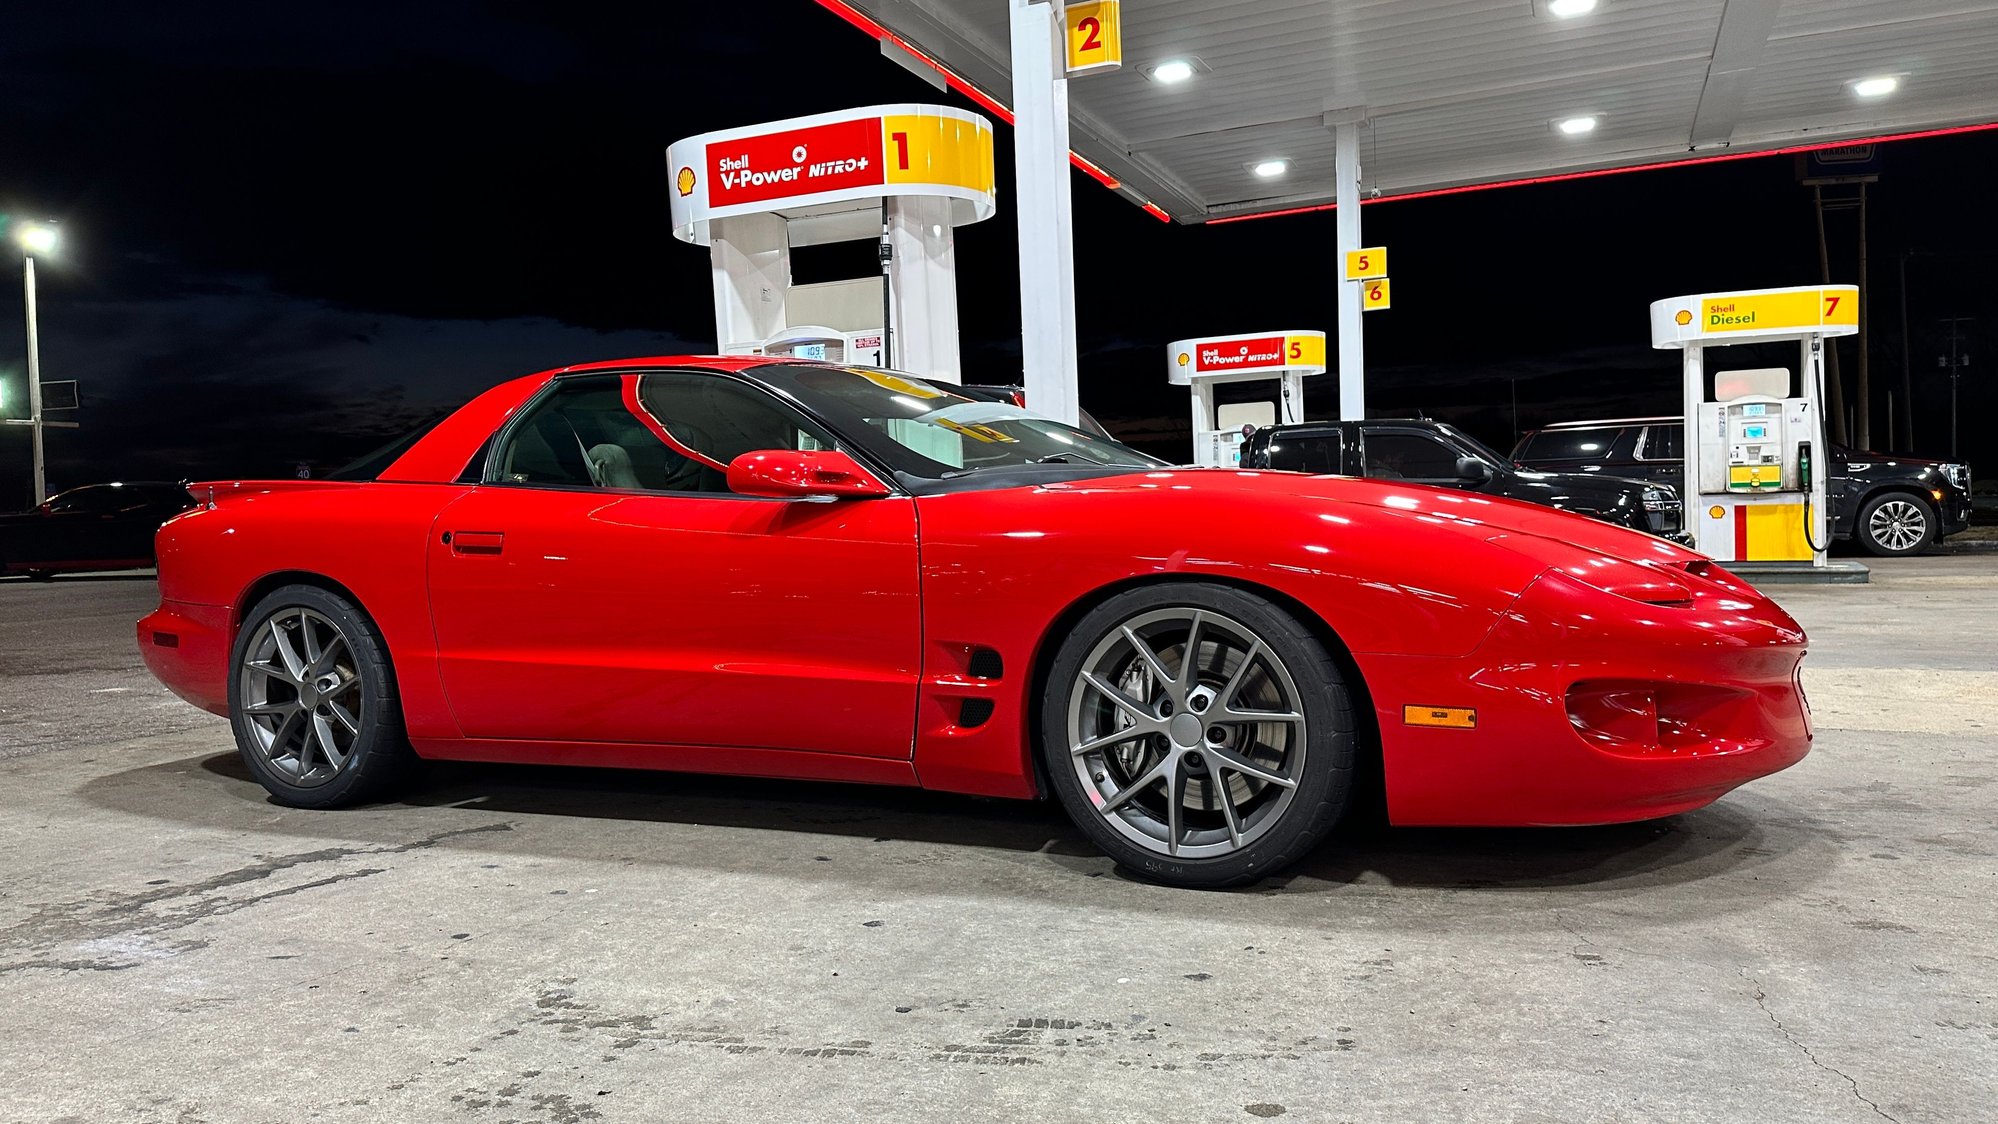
1306	452
1663	443
1567	445
677	434
81	499
1409	456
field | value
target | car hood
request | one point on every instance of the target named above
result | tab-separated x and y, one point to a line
1487	518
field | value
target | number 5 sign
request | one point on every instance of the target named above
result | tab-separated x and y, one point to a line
1095	36
1366	263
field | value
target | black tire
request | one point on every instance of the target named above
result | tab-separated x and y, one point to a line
377	755
1887	525
1316	758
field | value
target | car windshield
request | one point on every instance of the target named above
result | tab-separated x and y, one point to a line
1475	447
928	431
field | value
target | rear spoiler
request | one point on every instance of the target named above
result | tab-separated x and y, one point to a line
208	492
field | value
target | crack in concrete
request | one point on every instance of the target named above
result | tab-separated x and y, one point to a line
110	915
1761	997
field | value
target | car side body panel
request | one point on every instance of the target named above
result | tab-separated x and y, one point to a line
861	628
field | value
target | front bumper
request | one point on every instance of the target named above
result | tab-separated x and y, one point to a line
1562	732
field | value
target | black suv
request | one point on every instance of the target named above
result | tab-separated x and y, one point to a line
1437	454
1893	505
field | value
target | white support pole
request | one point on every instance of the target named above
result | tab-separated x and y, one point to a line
922	287
1352	347
751	262
1047	245
34	383
1692	450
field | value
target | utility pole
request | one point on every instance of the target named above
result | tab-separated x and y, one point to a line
1954	362
34	382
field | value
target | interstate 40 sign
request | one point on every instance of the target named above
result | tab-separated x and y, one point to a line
830	158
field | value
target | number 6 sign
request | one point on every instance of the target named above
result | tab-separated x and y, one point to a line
1095	36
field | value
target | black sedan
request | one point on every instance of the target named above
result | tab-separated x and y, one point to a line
96	527
1433	453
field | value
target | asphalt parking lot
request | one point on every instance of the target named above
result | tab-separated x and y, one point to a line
574	945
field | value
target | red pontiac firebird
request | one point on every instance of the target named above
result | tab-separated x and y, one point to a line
797	569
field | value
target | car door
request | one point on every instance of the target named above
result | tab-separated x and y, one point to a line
70	528
600	585
1415	455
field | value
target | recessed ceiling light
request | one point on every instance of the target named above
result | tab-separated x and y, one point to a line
1877	86
1269	169
1172	70
1576	126
1569	9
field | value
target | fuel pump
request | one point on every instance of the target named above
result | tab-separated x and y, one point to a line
1754	493
902	176
1219	429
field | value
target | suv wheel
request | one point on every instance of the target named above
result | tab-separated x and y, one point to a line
1896	524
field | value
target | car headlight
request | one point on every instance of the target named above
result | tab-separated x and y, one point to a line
1957	474
1661	499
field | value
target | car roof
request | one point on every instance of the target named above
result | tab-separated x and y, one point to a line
1607	422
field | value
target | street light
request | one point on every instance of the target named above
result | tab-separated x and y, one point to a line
35	238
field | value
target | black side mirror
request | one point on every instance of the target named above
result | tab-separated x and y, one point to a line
1471	470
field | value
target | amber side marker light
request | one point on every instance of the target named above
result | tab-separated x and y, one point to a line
1444	717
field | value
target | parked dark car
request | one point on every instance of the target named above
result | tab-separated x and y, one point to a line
1891	504
1435	453
96	527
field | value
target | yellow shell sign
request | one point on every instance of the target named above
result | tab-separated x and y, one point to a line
686	181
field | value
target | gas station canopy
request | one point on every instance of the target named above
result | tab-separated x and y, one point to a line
1457	94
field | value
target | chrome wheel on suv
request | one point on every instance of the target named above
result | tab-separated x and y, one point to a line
1896	524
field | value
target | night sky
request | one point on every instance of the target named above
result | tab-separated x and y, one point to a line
293	231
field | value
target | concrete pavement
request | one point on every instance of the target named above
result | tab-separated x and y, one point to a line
576	945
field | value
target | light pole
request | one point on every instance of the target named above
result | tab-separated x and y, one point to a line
1955	362
35	238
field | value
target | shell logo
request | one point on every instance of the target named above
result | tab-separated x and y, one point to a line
1682	319
1184	358
686	181
1716	512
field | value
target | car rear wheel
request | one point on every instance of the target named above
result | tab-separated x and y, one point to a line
1198	734
1896	524
314	702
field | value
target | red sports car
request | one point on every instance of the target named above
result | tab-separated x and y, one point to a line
797	569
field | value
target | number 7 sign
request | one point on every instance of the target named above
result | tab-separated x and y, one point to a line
1095	36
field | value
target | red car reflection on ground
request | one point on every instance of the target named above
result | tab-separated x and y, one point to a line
804	570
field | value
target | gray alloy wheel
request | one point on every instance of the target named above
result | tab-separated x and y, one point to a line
301	691
313	700
1896	524
1197	733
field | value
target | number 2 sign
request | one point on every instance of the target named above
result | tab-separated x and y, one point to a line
1095	36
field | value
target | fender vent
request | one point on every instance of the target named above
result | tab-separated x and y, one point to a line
974	712
985	664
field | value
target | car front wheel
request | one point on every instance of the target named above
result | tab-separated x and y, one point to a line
1896	524
313	701
1198	734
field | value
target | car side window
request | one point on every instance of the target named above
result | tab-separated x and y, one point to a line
1408	456
1568	445
78	501
667	432
1662	443
1306	452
